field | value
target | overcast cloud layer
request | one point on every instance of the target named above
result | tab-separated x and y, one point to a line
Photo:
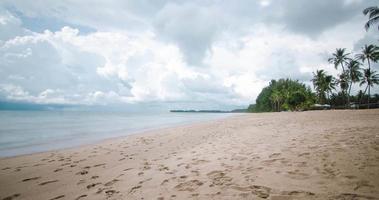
189	54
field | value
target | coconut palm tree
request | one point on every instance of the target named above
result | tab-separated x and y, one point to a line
319	84
371	78
330	83
355	75
360	96
323	84
373	16
276	98
343	82
369	53
340	57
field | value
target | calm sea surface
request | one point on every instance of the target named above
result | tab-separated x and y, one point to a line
24	132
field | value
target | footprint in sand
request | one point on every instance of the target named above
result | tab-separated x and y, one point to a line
92	185
219	178
99	165
183	177
274	155
57	170
271	161
195	194
111	182
81	196
94	177
65	164
163	168
127	169
11	197
195	172
83	172
31	179
78	161
296	174
146	166
58	197
110	193
350	177
189	186
348	196
199	161
258	190
298	193
362	183
145	180
133	189
164	181
48	182
304	154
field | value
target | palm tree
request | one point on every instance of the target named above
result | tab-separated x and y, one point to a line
343	81
373	15
330	83
359	97
319	84
369	53
355	74
323	84
370	78
340	57
276	98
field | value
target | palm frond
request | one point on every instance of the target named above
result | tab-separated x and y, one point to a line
369	9
371	21
374	13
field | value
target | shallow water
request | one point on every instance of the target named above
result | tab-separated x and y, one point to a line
24	132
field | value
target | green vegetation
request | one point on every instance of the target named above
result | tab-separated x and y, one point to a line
287	94
283	94
324	85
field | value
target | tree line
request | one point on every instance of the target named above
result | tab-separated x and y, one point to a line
287	94
353	71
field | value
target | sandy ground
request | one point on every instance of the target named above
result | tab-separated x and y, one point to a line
303	155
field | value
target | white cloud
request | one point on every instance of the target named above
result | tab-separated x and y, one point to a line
212	53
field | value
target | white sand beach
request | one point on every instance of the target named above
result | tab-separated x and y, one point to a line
289	155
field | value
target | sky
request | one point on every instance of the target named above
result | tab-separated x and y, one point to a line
200	54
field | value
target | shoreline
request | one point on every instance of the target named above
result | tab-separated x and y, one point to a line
318	154
127	134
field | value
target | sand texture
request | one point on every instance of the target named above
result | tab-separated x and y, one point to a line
299	155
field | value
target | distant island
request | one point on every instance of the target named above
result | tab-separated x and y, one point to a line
211	111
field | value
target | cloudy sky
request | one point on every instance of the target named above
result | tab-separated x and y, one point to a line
170	54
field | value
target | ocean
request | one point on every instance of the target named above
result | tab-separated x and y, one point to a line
25	132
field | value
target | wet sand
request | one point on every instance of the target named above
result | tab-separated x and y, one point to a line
300	155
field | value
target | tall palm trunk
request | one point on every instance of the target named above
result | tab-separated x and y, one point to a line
343	68
368	85
343	90
328	96
362	95
348	95
368	98
368	61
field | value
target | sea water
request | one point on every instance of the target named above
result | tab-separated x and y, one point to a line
25	132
